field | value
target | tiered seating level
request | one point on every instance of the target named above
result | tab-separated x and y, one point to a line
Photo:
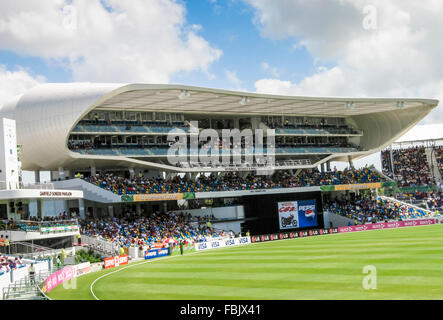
89	126
149	138
45	227
342	130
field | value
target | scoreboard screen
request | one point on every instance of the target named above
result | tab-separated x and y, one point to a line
297	214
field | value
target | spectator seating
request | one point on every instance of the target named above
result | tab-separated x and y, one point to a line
232	182
410	167
139	231
8	263
368	210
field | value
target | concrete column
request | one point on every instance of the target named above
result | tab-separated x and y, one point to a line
322	167
132	172
93	171
111	211
40	208
351	164
138	209
170	175
81	208
61	173
237	123
328	166
37	176
391	156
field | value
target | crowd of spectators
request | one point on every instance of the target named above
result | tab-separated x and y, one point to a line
409	167
134	230
9	263
439	157
33	222
433	199
231	181
333	142
57	218
364	210
80	145
323	124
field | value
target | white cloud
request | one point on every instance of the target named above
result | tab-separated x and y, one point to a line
401	57
271	70
423	132
125	40
232	77
14	83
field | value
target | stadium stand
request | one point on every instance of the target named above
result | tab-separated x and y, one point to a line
368	210
410	167
8	263
35	224
309	127
131	230
232	181
439	157
432	199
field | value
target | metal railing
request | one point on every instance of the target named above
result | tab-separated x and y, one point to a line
45	227
21	185
108	248
427	211
245	165
39	186
27	288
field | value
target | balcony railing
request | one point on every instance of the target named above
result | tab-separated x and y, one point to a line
21	185
44	227
128	151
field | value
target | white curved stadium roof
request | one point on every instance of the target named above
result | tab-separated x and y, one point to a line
46	115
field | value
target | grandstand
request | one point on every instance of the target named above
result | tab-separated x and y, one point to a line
97	127
143	149
414	163
137	169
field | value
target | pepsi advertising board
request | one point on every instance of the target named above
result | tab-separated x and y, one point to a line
297	214
156	253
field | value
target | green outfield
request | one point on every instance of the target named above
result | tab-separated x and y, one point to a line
408	262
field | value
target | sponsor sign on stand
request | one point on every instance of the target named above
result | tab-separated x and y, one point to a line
65	274
116	261
157	197
222	243
59	277
297	214
386	225
156	253
292	235
83	268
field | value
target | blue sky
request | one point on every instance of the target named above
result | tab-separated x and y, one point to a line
226	25
229	26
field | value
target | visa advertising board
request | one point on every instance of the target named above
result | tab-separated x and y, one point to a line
222	243
297	214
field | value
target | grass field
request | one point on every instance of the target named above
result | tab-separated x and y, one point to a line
408	262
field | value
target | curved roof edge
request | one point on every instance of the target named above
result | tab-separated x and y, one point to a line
141	86
47	113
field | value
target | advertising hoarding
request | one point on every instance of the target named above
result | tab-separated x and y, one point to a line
297	214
